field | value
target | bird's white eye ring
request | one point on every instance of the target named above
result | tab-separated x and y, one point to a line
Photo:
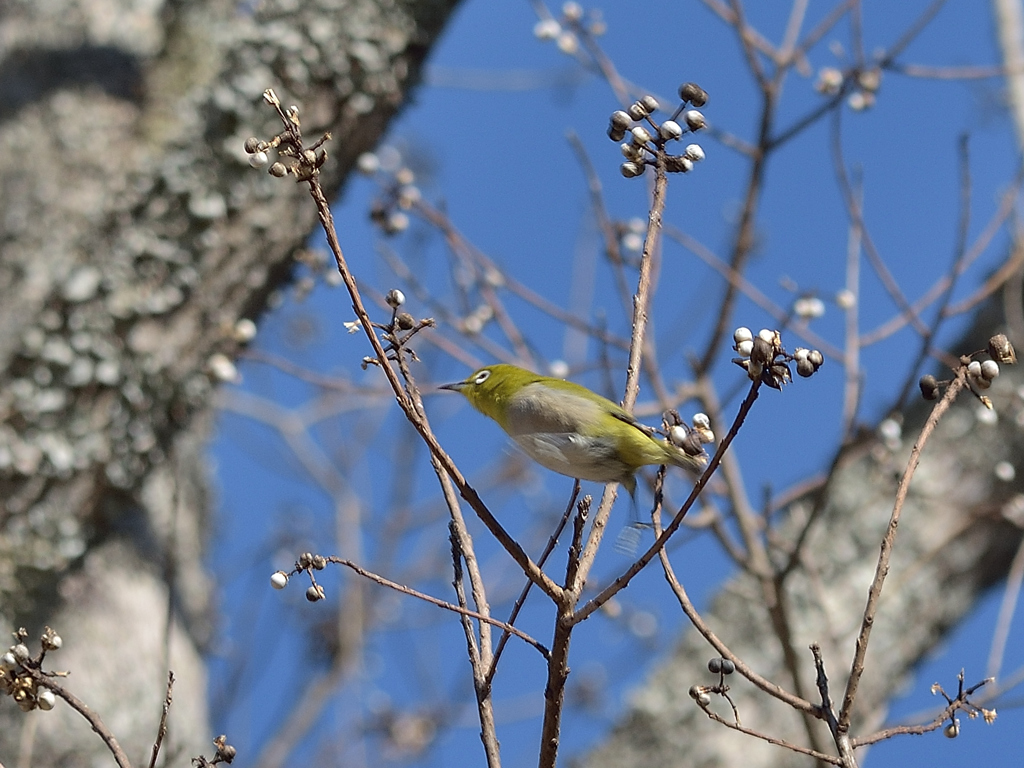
482	377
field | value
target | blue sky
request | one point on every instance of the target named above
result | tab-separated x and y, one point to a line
487	136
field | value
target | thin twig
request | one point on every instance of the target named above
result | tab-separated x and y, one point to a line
758	563
824	26
1006	610
1007	205
827	713
926	72
161	730
323	381
1001	277
521	600
641	308
405	590
956	269
743	32
853	383
856	214
80	707
720	647
758	40
960	703
465	489
609	235
437	218
797	14
558	665
752	292
485	705
906	730
849	76
912	31
466	549
832	759
882	568
743	243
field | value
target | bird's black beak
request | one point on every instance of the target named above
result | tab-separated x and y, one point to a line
455	386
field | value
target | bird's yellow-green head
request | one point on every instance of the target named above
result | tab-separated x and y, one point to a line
490	389
567	428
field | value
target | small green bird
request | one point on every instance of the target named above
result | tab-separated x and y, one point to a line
569	429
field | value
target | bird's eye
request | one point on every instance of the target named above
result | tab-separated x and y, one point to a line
482	377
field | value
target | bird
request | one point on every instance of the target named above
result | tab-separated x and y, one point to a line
568	428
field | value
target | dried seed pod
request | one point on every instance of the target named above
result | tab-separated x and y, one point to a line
929	387
805	368
631	151
1001	350
694	94
694	119
694	152
46	699
618	124
225	752
670	130
762	351
631	170
50	640
315	593
690	442
640	135
700	694
780	375
678	164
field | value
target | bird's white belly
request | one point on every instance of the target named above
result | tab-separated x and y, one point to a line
574	455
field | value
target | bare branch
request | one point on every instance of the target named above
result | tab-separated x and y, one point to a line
882	568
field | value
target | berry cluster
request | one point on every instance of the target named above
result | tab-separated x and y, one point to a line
691	439
302	162
980	373
307	562
702	693
763	357
644	145
16	672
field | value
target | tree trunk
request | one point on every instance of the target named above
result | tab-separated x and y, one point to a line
133	236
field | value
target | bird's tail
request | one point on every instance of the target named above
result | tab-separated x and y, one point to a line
691	456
